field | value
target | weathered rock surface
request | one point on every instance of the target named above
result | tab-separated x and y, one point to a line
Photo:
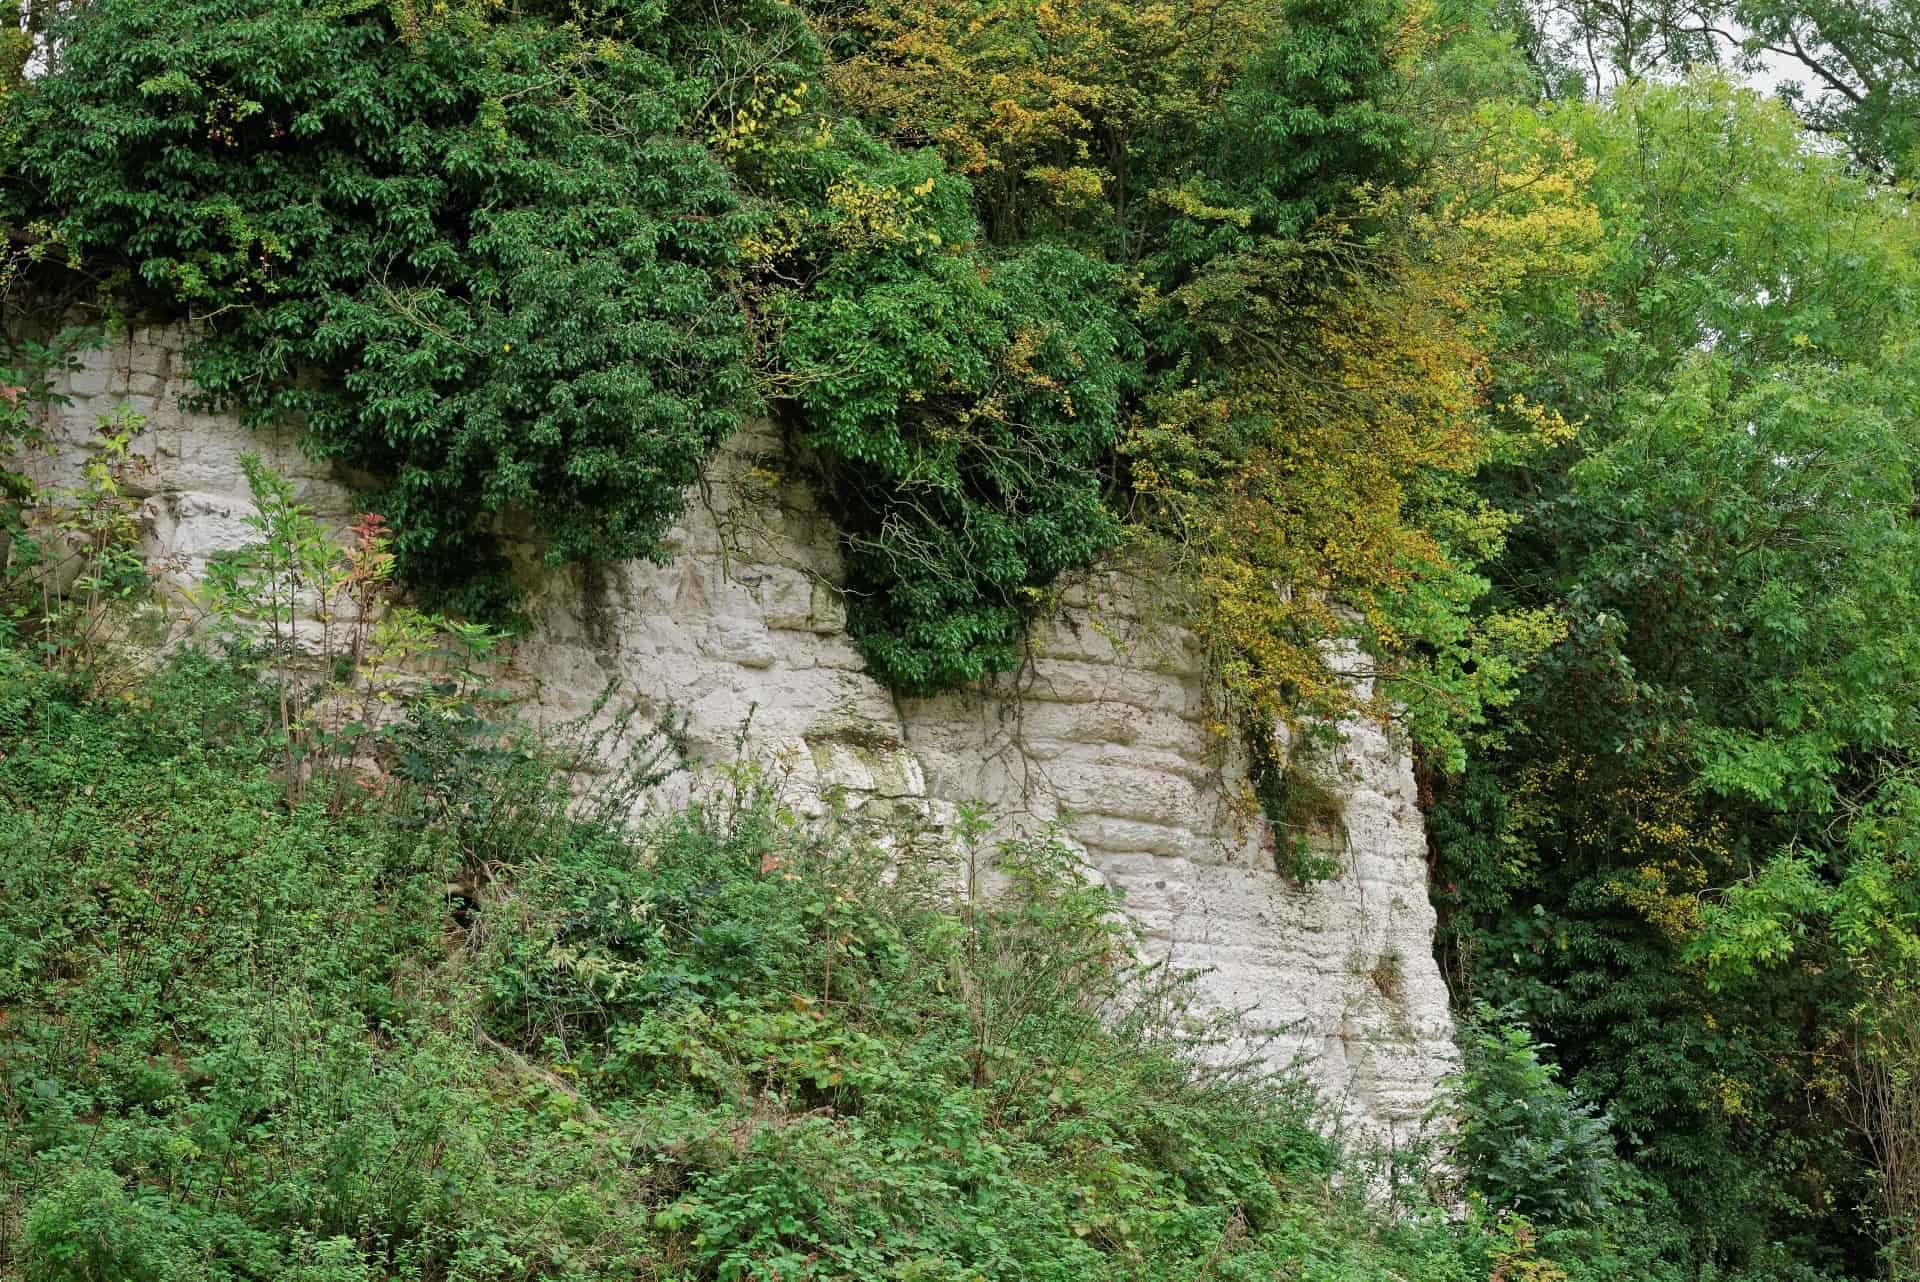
1105	730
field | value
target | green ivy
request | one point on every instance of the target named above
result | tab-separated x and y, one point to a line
964	444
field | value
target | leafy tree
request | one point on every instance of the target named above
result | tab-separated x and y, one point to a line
1855	71
1848	68
1065	116
1318	440
1730	540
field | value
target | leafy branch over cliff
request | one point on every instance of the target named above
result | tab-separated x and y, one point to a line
997	267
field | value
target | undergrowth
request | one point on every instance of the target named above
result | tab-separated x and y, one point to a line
471	1028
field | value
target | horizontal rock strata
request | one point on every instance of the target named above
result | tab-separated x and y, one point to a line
1107	730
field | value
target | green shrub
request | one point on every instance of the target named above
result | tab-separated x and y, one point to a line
959	409
1524	1141
89	1228
465	247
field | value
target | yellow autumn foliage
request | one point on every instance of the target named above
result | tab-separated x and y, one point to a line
1041	105
1302	482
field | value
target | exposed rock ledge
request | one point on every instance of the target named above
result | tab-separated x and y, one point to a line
1107	724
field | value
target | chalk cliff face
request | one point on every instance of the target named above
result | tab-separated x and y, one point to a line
1105	729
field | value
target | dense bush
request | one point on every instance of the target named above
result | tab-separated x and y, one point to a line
1523	1139
966	458
466	248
